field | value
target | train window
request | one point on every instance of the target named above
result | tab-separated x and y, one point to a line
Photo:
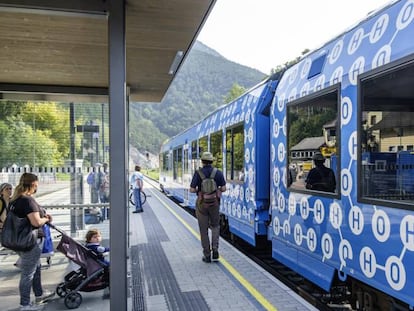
169	163
202	145
186	161
165	164
235	153
161	161
178	164
216	148
312	128
386	135
194	162
161	158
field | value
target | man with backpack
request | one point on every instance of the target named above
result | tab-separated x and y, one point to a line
208	182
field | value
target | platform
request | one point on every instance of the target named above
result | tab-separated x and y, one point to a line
166	270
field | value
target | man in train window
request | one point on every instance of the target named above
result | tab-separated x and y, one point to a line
320	178
208	216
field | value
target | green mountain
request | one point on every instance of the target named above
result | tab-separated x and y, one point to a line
200	86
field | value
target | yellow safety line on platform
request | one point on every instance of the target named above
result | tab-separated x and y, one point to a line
246	284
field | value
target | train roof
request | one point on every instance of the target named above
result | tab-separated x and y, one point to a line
354	25
378	38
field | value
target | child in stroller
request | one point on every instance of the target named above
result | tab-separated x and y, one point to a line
92	275
93	242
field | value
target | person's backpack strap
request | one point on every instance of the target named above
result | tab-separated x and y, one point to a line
202	176
213	173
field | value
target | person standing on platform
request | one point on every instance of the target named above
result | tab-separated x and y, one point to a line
26	206
104	184
5	194
208	215
104	189
137	182
94	182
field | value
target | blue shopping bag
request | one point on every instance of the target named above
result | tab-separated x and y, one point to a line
47	249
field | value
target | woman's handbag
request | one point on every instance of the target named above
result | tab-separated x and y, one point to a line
18	234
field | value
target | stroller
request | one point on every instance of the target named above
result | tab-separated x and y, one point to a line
92	275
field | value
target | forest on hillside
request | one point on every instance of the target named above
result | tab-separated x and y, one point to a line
202	84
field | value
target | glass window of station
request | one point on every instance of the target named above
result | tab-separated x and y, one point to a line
386	135
312	129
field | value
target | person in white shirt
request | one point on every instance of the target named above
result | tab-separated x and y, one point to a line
137	182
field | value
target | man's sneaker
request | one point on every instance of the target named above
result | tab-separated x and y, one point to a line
215	255
32	307
206	259
47	294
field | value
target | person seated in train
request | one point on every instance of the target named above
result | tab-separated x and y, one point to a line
320	178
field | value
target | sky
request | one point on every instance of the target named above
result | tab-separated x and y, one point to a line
263	34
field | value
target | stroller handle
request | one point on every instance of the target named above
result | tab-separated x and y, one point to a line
56	228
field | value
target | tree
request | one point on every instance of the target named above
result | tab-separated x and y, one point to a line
236	91
52	120
22	145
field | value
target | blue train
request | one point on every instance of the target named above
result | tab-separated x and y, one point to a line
353	101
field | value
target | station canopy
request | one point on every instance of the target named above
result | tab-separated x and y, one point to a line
58	49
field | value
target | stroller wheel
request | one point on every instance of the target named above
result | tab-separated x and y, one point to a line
61	290
73	300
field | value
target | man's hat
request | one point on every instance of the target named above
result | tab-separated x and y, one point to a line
207	156
318	157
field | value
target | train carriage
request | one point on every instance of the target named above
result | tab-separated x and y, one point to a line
351	102
354	99
237	134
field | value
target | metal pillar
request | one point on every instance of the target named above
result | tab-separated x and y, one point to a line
118	156
77	221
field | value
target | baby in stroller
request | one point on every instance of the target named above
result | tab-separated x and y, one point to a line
93	273
93	242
